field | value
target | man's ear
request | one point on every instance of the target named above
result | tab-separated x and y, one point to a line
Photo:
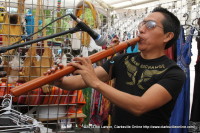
168	36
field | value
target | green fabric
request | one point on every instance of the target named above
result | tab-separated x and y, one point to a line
86	108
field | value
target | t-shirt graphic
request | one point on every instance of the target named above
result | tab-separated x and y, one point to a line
147	71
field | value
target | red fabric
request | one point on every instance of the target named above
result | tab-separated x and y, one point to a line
5	89
59	96
1	40
34	97
170	52
21	99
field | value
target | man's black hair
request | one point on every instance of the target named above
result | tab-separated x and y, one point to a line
171	24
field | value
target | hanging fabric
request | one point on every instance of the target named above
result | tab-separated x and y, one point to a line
132	49
2	20
58	23
195	110
34	67
180	114
171	52
12	31
29	22
95	116
15	65
87	92
100	107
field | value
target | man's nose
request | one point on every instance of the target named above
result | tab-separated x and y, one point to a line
142	29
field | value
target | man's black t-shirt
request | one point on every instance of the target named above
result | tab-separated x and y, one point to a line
135	76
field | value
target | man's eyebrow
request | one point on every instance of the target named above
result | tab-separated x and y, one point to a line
148	20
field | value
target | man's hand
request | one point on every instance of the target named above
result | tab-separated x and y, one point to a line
57	82
86	70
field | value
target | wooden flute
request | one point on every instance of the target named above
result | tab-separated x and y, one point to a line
40	81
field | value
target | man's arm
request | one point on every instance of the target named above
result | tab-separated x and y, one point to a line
76	82
155	97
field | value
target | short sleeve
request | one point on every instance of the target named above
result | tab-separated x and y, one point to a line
106	66
173	81
109	64
114	62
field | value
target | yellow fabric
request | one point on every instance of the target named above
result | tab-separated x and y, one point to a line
32	67
11	33
2	14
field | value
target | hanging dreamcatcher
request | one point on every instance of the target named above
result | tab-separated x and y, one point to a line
88	14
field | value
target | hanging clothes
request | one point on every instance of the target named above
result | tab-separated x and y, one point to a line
180	114
87	92
195	115
195	111
100	107
95	116
98	110
132	49
171	52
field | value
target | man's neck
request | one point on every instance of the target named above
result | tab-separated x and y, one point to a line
152	55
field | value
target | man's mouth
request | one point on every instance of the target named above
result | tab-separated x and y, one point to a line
141	40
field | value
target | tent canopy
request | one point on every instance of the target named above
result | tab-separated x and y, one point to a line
104	4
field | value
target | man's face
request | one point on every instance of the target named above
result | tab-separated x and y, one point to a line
151	33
